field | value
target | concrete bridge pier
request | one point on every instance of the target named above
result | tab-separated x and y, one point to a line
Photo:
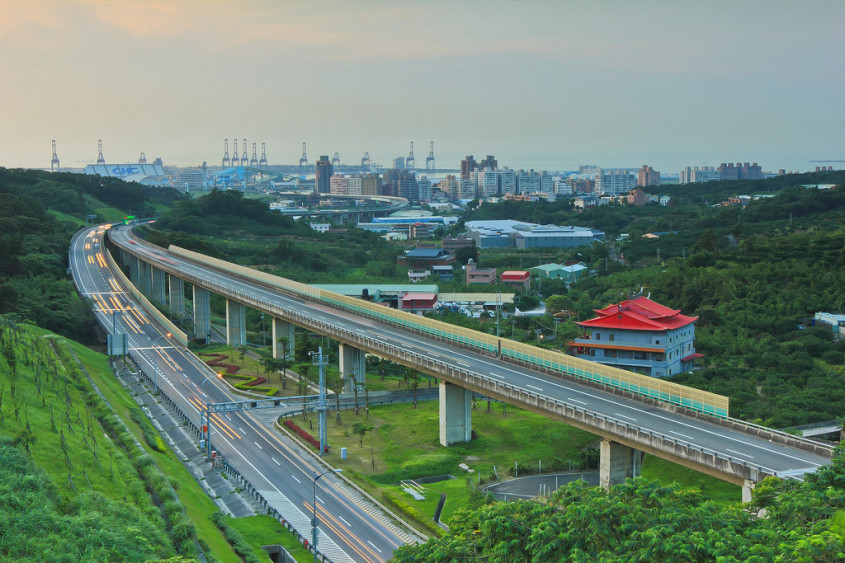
134	270
455	414
177	295
617	463
235	323
747	489
202	314
352	362
283	329
158	294
125	257
145	278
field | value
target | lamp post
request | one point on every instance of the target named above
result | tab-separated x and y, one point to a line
314	519
206	380
155	372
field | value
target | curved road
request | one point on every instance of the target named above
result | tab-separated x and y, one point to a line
741	447
352	529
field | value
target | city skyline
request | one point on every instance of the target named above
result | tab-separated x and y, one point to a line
543	85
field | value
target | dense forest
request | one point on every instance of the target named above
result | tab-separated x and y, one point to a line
228	225
39	212
643	521
754	275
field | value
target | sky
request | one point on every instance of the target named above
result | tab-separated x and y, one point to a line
548	85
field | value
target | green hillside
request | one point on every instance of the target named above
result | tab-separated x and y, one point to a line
39	212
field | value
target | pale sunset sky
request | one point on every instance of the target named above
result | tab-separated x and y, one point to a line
539	84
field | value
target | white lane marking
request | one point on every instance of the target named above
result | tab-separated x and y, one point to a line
623	416
295	479
257	444
229	417
534	387
344	520
274	461
718	435
739	453
242	430
320	500
679	434
576	401
374	547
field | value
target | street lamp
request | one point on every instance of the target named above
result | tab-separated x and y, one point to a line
155	368
206	380
314	520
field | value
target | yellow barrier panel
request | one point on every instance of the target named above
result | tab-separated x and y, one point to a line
551	360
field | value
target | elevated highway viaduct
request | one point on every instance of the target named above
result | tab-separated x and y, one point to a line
631	413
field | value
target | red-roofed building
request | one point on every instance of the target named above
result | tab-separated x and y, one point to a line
639	335
418	301
517	277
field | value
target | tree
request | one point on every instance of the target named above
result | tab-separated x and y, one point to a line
361	428
242	350
336	386
283	344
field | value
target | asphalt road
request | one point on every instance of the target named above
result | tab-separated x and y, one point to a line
742	447
352	529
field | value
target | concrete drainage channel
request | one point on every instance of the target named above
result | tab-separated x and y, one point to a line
523	488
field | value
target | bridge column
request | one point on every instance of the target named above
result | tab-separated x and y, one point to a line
145	277
125	257
283	329
157	293
352	362
134	270
177	295
617	463
202	314
235	323
455	414
747	489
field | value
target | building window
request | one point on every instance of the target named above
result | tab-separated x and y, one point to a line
611	337
598	336
657	341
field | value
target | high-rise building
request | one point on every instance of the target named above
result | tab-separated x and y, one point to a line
399	163
697	175
528	182
354	185
648	176
507	178
401	183
424	188
468	166
615	182
487	181
451	187
739	171
547	182
489	162
371	184
324	174
339	185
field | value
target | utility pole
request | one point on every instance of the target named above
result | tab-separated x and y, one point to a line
319	360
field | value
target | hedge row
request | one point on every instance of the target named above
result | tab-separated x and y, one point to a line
304	435
235	539
180	529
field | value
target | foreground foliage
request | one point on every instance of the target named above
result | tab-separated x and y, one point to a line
643	521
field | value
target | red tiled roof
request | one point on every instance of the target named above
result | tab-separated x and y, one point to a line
638	314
